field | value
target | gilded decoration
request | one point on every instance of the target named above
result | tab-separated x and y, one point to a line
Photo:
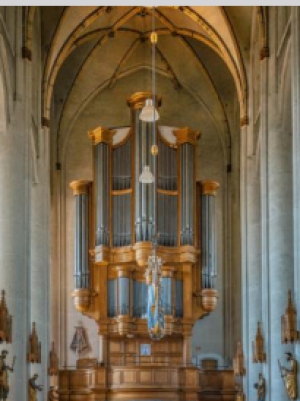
137	100
53	362
209	187
101	135
34	347
186	135
289	375
5	321
238	361
289	332
258	354
80	187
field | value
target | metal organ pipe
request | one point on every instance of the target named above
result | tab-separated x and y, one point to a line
102	141
145	208
81	195
186	141
208	244
82	293
208	248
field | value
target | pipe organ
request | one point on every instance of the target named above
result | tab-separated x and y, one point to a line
115	217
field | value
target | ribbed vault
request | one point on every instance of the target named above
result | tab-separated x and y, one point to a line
80	24
90	49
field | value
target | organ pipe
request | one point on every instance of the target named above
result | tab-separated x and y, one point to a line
102	141
208	243
186	141
81	190
144	138
81	195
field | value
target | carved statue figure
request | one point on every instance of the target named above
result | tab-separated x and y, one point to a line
33	388
238	361
53	363
4	383
79	342
52	394
261	388
290	376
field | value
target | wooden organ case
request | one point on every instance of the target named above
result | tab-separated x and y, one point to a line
114	217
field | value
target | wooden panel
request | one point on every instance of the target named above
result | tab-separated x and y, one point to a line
160	347
130	347
138	382
115	346
145	377
116	377
129	377
161	377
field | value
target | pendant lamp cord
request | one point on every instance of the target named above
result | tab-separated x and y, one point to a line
153	48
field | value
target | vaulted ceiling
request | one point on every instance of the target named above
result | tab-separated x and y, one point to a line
201	51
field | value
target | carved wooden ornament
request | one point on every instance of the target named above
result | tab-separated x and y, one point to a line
5	321
258	354
34	347
289	332
238	361
53	362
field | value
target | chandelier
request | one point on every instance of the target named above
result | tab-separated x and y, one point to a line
149	114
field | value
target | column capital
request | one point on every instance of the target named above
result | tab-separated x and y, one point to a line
209	187
80	187
186	135
101	134
244	121
138	99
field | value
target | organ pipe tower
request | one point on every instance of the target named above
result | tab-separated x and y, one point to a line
114	226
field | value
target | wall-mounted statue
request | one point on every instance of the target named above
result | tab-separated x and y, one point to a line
33	388
258	354
289	376
261	388
4	382
34	347
53	362
289	332
5	321
238	361
79	342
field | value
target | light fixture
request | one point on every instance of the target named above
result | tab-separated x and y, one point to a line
146	177
155	312
149	112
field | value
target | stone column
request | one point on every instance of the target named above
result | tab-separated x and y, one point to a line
277	220
14	229
295	72
39	256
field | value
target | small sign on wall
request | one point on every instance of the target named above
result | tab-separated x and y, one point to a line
145	349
